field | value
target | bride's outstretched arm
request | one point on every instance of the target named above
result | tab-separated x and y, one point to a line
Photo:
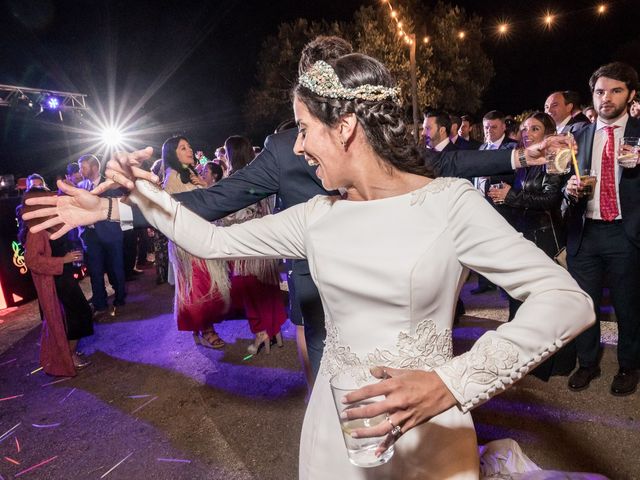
272	236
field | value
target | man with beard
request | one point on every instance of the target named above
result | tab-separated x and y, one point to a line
604	227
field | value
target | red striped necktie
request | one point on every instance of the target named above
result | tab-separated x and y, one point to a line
608	200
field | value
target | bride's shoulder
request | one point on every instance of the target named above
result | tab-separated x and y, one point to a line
440	186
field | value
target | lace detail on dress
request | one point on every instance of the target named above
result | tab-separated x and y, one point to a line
488	365
425	350
437	185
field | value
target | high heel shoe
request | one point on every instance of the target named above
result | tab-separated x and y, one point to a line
261	339
277	340
196	338
211	339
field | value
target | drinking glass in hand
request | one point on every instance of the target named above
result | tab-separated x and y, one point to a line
361	451
497	186
587	185
628	152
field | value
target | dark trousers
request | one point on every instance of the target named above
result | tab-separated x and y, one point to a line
307	299
130	251
104	256
606	251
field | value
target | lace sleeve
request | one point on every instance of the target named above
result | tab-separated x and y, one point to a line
554	311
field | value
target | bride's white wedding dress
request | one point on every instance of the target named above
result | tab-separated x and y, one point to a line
389	273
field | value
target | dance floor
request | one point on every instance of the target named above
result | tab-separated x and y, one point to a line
154	405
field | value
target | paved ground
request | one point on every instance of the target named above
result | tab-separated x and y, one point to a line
153	405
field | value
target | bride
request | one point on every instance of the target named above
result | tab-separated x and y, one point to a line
388	257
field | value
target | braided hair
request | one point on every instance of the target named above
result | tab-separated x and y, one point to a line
382	121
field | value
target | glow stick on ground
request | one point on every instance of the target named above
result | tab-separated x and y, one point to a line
175	460
56	381
68	395
115	466
35	371
8	362
44	462
9	459
17	445
9	432
144	405
45	425
11	398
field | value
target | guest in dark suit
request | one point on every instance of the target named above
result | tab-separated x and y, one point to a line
463	140
495	128
103	242
604	228
436	128
561	109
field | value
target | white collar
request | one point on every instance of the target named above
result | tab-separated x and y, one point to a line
439	147
620	122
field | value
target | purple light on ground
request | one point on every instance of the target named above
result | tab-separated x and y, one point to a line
545	413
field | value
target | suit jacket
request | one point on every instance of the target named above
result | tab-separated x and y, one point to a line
507	144
450	147
576	123
277	170
629	190
464	144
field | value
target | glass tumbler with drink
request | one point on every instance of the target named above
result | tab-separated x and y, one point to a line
559	158
497	186
628	152
361	451
587	184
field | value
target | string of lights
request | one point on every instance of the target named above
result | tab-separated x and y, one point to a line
503	27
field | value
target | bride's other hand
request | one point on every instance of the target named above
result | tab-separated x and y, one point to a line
412	397
76	207
123	169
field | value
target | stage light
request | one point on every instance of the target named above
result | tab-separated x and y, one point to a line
112	137
52	103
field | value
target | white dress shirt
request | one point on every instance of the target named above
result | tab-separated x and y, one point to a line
439	147
562	124
599	141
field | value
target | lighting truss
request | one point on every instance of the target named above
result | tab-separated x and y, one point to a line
11	96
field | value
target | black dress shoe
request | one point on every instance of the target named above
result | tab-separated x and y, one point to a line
582	378
625	382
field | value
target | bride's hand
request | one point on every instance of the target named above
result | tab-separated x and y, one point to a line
411	398
77	207
122	170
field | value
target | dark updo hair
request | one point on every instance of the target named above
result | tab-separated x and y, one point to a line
170	158
239	151
382	121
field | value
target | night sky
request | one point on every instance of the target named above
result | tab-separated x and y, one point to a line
189	64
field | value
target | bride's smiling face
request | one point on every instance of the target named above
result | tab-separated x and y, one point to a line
320	145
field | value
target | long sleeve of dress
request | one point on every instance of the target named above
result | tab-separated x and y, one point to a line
36	257
554	311
273	236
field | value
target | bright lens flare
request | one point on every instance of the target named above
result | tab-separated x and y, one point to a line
112	136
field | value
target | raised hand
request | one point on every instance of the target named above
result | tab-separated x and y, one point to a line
122	170
536	153
411	398
77	207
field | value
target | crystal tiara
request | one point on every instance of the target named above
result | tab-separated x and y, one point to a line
322	80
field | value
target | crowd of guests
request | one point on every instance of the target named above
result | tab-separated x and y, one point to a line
206	291
540	206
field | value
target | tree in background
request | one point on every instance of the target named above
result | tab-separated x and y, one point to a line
452	72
